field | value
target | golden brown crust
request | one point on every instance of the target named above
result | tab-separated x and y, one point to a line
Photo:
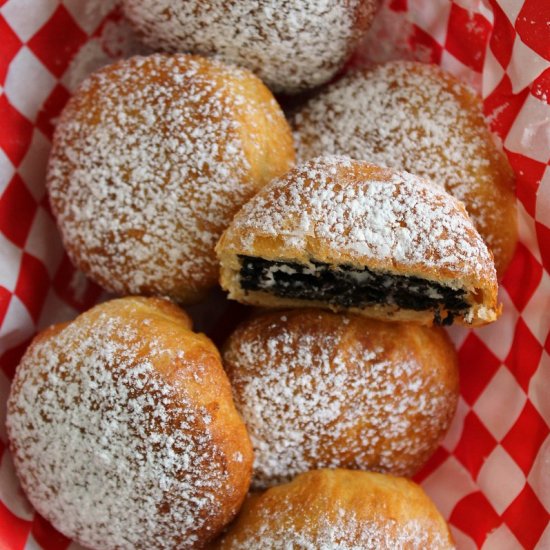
339	211
419	118
141	406
318	389
343	509
151	158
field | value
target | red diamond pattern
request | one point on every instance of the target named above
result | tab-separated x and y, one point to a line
523	359
477	367
526	518
33	284
15	132
532	26
17	209
453	28
486	519
526	437
467	36
523	277
56	43
528	175
502	106
502	39
475	445
10	46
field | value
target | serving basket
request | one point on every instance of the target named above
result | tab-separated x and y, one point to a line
490	478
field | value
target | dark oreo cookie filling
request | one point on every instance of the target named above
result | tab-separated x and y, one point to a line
347	286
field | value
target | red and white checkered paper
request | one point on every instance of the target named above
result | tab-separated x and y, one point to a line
491	476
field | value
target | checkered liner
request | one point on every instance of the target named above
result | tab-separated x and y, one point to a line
491	476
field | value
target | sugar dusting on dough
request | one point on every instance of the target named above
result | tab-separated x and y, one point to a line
407	115
291	45
346	533
120	458
399	218
340	510
301	389
144	180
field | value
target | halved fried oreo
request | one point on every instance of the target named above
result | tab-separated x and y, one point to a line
349	235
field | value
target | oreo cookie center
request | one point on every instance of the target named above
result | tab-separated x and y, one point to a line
346	286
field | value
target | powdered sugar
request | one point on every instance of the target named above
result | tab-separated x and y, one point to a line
321	390
148	168
308	515
386	116
108	450
394	217
291	45
411	117
347	533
